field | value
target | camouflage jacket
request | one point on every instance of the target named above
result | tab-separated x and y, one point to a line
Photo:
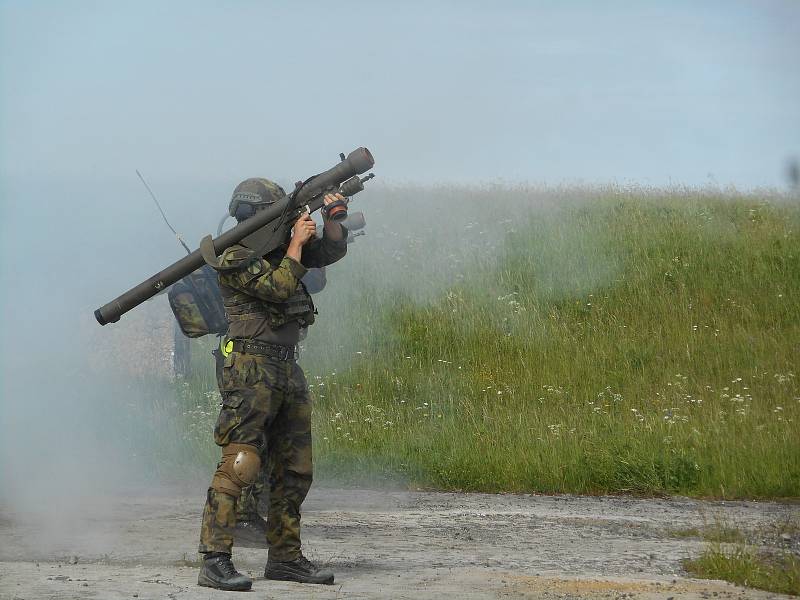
264	295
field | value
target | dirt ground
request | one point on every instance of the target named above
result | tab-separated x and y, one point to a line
385	544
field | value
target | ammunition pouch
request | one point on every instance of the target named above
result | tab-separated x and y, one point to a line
298	307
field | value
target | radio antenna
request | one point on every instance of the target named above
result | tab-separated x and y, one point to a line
171	228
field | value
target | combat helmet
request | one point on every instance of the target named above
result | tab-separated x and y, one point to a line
253	194
249	196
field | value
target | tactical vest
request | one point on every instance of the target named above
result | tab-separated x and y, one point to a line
298	307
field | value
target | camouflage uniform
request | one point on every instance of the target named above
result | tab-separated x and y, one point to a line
266	407
253	500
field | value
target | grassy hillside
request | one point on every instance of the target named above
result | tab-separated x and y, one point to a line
574	341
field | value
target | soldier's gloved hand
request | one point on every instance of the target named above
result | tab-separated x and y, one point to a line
330	199
303	231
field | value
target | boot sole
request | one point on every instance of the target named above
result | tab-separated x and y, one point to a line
297	579
204	581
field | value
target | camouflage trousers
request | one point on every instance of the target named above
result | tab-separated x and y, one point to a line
254	499
266	405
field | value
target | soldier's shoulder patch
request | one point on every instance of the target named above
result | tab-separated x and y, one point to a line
255	267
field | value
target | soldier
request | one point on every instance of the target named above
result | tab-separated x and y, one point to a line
251	528
266	407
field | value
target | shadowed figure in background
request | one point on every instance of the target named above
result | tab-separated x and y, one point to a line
793	175
266	407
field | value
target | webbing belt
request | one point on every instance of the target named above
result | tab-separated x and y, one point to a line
265	349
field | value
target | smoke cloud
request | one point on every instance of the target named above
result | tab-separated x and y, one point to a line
198	97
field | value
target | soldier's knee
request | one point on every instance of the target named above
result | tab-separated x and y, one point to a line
238	468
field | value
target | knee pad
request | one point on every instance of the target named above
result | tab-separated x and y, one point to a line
238	468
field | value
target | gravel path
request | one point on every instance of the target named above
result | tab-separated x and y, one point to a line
387	545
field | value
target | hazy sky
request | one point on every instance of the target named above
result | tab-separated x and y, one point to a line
650	92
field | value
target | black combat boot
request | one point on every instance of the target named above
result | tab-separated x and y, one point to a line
300	570
218	572
251	532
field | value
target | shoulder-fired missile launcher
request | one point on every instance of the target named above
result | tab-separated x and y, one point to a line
261	233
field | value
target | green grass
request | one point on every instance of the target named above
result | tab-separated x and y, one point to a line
744	566
719	533
585	341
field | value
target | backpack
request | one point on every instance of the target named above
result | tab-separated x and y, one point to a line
197	305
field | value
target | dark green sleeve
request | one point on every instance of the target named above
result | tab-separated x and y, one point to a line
323	251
